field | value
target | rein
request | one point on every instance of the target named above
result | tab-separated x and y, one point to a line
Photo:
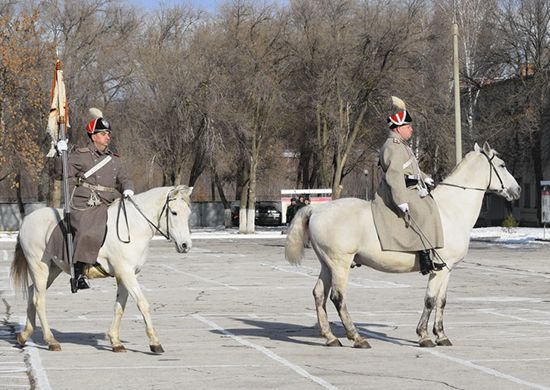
491	169
166	207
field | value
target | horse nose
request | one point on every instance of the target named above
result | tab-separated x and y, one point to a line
512	193
516	192
184	247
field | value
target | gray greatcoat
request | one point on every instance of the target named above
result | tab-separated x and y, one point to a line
394	231
89	223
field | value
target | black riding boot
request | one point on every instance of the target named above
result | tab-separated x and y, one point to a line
426	265
79	281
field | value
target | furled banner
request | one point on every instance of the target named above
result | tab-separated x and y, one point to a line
59	110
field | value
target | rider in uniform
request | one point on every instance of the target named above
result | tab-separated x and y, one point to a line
95	174
405	214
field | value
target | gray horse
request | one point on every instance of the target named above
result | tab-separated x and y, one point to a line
167	207
342	232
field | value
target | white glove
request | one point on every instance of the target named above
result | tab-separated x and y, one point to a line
429	181
62	145
404	207
128	193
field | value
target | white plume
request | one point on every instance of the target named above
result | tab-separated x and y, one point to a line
96	113
400	104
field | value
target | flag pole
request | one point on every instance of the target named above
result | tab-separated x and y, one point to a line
62	122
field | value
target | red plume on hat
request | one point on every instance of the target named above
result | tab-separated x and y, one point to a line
97	124
399	118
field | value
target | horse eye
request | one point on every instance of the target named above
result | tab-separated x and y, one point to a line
174	212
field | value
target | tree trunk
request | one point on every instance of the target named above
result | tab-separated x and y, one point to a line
226	205
322	164
199	164
346	145
243	215
18	194
251	209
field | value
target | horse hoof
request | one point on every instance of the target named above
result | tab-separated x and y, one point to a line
361	344
54	347
444	343
119	348
156	348
427	343
334	343
21	340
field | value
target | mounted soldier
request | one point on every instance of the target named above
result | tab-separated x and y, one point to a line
95	174
405	214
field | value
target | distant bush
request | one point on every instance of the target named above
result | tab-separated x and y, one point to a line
509	223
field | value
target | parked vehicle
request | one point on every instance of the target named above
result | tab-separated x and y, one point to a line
267	214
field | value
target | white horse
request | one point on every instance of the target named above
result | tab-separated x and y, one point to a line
342	232
166	209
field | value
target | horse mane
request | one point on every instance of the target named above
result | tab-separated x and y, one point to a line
156	192
466	157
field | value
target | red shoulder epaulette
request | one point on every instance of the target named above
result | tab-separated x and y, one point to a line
116	154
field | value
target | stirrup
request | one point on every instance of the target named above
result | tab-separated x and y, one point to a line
439	266
79	283
426	264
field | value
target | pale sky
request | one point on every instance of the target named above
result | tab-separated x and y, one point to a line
207	5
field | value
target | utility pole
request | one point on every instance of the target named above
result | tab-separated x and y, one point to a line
456	76
366	172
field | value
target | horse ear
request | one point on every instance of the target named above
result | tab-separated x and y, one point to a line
184	189
487	148
476	147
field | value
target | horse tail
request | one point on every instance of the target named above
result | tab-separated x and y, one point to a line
297	236
19	270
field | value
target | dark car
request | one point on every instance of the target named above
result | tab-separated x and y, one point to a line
267	214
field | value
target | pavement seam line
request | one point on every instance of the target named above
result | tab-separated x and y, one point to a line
299	370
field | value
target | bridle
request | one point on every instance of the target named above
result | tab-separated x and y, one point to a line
165	208
491	169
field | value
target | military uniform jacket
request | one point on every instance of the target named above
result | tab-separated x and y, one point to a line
394	232
111	176
88	217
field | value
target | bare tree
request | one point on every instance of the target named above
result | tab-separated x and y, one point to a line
524	27
94	39
345	53
479	59
252	39
162	110
23	56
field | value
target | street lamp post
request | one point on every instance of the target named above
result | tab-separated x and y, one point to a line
456	77
366	172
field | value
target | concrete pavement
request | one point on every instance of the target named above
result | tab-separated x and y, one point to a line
233	314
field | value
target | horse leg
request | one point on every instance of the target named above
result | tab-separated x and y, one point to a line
130	282
441	300
320	293
120	305
41	278
432	290
30	323
338	297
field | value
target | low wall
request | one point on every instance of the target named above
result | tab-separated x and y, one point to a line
204	214
207	214
10	217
